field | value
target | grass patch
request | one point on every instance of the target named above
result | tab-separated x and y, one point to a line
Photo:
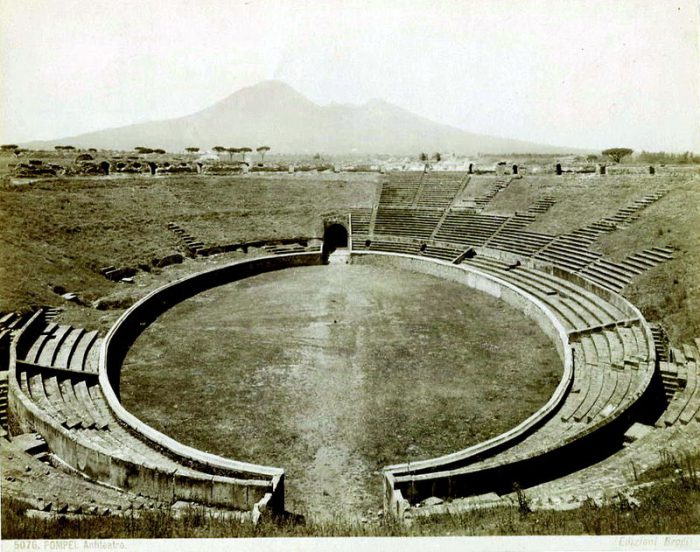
671	507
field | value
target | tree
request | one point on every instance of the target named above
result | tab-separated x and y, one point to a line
191	150
143	149
262	150
231	152
592	157
616	154
244	151
219	149
437	157
9	147
423	156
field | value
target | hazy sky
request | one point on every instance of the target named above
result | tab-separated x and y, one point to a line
565	72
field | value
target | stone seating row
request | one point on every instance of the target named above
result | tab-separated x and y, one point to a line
576	308
621	470
405	247
542	205
284	249
439	189
518	241
441	252
629	212
466	228
67	398
600	389
11	321
400	189
603	388
684	405
498	186
616	276
75	402
66	347
193	245
588	234
360	219
412	223
519	221
569	255
602	394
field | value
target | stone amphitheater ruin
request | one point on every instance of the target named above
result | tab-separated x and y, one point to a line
625	392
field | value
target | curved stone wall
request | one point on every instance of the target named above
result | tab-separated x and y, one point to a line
145	311
530	306
241	484
454	475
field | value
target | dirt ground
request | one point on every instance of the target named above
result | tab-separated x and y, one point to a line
335	371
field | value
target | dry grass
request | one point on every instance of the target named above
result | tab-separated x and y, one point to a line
60	232
668	508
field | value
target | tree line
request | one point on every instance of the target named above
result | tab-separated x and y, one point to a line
262	150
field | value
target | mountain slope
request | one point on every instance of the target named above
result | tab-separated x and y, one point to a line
272	113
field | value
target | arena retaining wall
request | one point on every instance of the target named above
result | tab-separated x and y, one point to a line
445	476
133	475
144	312
531	307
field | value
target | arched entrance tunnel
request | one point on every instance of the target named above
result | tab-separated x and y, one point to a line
334	237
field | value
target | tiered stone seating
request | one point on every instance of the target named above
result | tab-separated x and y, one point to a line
540	289
542	205
616	276
674	434
408	223
565	252
67	348
11	322
283	249
587	235
441	252
628	214
612	368
599	397
400	189
406	247
519	221
684	405
57	372
648	258
518	241
577	308
483	201
466	228
193	245
360	219
439	189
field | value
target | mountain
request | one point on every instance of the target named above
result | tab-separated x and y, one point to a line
274	114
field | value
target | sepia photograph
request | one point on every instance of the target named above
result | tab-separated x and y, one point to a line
392	274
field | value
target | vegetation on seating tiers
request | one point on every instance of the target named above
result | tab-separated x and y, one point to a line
677	496
669	293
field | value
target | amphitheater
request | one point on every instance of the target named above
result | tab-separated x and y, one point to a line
626	393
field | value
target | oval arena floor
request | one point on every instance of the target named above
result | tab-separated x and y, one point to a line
333	372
